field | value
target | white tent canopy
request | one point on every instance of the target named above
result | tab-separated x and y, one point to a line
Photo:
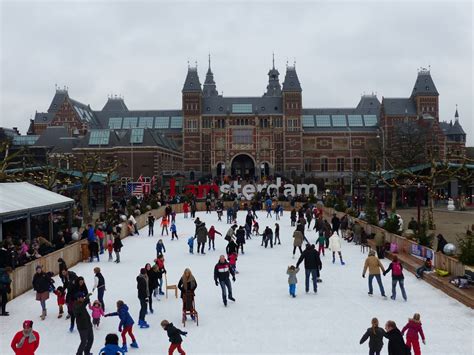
23	197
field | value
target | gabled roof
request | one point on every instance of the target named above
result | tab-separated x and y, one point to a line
59	97
424	85
368	102
44	117
456	129
51	136
291	83
399	106
192	83
115	104
65	145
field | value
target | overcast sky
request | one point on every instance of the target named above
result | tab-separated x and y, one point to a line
140	49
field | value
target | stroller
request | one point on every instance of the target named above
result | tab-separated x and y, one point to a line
189	308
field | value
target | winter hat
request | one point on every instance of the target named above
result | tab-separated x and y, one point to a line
143	271
371	253
28	324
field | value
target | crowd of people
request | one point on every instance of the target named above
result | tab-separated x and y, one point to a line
74	297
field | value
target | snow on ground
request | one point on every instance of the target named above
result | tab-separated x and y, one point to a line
264	318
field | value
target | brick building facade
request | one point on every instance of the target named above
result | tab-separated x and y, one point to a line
214	135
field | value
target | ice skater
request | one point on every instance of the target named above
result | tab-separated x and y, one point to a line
375	335
160	248
125	325
374	265
97	312
292	280
173	230
174	336
335	247
413	328
397	277
222	272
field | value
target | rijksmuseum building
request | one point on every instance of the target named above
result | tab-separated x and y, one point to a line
214	135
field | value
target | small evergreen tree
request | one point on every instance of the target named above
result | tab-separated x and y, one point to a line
371	212
466	246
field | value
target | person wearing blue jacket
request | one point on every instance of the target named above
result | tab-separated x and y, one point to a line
160	248
125	325
173	231
111	346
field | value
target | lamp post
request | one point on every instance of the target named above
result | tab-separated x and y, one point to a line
418	202
383	157
352	160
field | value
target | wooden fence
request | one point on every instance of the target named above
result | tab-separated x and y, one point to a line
441	261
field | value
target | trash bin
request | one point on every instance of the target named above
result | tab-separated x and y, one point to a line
85	252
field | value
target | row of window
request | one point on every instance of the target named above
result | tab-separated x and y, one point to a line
161	122
192	124
340	164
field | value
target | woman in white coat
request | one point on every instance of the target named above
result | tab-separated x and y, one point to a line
335	246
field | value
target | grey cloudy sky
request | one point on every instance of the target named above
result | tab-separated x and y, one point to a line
140	49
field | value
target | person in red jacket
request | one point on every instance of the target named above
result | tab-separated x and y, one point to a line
26	341
212	236
185	209
414	327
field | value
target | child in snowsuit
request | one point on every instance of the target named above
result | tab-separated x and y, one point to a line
160	248
164	225
111	346
174	335
191	244
97	312
292	280
233	262
414	327
321	242
110	249
61	295
173	231
126	324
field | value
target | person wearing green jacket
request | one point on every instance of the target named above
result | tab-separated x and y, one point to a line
321	242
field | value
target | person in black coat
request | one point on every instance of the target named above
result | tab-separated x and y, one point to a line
312	265
396	344
152	274
336	223
231	247
62	265
143	293
42	283
441	243
375	334
187	285
5	256
174	335
69	279
84	324
240	238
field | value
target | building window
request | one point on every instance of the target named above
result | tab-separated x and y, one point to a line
264	123
206	122
242	136
356	164
192	125
324	164
278	122
241	108
340	164
307	166
162	122
293	124
220	123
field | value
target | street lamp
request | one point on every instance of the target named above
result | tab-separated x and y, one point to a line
418	202
383	158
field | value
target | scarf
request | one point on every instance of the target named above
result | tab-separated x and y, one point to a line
26	334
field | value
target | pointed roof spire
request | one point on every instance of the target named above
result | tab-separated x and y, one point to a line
291	82
192	83
273	60
456	114
209	88
273	87
209	59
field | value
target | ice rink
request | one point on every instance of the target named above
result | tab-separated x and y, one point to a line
264	319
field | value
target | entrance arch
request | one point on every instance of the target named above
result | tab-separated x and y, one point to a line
244	166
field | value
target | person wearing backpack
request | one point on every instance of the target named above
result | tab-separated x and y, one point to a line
397	277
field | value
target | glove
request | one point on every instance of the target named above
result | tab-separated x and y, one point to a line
120	328
233	278
424	341
363	276
184	333
217	283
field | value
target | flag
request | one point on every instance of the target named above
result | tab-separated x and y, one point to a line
135	189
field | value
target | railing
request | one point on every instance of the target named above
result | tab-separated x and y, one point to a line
441	261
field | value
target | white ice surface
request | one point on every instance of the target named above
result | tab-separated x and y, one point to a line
264	319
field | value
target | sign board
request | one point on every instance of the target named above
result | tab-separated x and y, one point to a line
422	252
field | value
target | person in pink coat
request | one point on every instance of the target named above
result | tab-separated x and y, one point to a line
97	312
413	327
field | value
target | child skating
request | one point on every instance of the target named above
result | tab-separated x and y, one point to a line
191	244
173	230
125	325
174	335
97	312
110	249
160	248
61	298
321	242
164	225
292	280
413	327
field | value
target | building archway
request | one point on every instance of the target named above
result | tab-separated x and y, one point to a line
244	166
